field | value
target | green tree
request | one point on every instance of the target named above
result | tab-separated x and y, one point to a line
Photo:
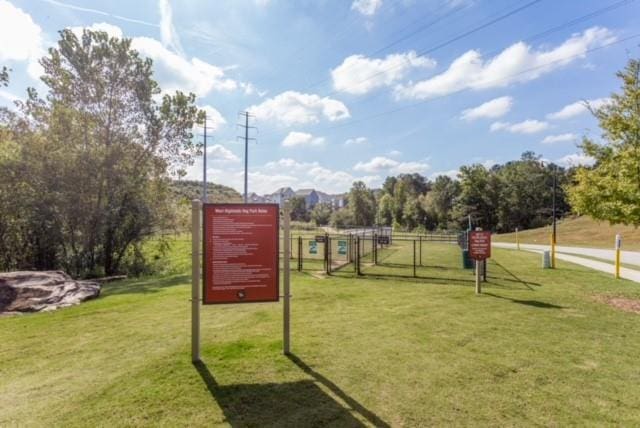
385	210
362	204
321	214
4	76
479	197
438	203
95	157
299	209
610	190
342	218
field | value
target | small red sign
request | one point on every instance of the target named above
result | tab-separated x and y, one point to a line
480	245
241	250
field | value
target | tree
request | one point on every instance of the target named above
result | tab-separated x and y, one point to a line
362	204
439	202
610	190
4	76
479	196
321	214
95	157
342	218
299	209
385	210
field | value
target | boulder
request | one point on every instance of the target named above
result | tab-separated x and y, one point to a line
28	291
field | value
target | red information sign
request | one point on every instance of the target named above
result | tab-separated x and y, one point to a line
480	245
241	246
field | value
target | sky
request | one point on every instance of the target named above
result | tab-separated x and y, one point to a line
344	90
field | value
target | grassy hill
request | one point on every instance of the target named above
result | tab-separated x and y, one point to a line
579	232
189	190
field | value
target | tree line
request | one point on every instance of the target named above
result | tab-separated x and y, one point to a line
88	171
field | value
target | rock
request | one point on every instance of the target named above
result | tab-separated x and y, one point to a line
32	291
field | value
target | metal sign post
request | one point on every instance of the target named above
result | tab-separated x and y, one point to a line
195	280
479	250
286	278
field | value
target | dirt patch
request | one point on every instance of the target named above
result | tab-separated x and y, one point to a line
622	303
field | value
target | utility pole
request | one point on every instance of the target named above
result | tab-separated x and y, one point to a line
246	139
553	211
204	159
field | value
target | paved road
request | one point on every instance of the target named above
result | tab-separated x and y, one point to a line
628	257
631	274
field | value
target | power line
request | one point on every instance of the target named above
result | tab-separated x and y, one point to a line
419	103
540	35
452	40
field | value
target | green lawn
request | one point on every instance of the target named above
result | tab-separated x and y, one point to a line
385	349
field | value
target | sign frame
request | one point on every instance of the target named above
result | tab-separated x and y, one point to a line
321	239
473	254
271	299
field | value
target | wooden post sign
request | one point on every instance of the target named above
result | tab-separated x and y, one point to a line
480	244
241	250
479	250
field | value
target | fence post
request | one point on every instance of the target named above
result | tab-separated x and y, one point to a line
358	256
299	253
478	286
420	237
196	208
328	240
414	258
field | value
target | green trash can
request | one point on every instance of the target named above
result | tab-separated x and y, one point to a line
467	263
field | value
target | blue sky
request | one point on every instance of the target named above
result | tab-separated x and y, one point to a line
345	90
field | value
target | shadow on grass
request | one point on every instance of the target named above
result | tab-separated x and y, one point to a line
534	303
366	413
143	285
515	277
301	403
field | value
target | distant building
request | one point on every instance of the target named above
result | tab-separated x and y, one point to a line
281	195
254	198
335	201
310	196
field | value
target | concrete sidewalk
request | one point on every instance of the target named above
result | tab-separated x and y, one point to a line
627	257
630	274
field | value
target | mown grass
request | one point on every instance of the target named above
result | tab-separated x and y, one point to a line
579	232
385	349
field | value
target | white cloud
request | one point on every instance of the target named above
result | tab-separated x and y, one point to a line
528	126
366	7
111	30
560	138
214	119
21	39
358	141
493	109
578	108
168	34
381	163
575	159
517	63
376	164
171	69
178	73
358	74
297	139
394	153
219	153
295	108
